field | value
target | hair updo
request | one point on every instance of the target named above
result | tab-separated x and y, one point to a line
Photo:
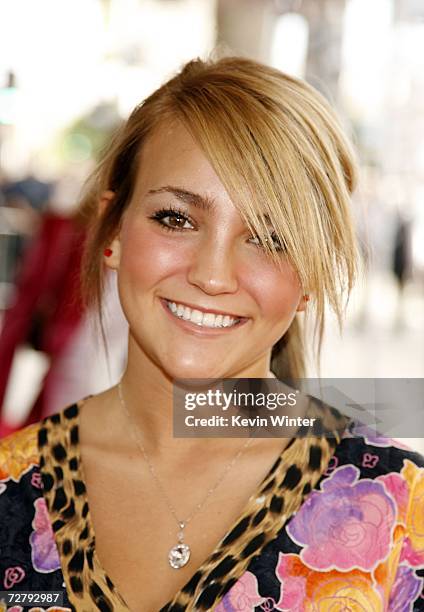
278	148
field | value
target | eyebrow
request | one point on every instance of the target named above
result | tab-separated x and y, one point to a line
189	197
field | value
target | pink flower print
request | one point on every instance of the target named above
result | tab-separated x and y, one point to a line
12	576
242	597
36	480
397	487
15	609
332	464
44	553
292	573
410	555
51	609
370	461
346	525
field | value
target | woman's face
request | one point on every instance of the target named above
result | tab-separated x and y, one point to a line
183	246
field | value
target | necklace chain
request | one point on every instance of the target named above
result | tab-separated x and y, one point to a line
135	432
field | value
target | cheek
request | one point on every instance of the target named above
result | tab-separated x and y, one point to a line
146	257
277	292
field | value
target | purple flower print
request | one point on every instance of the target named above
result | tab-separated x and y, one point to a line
405	590
346	525
44	553
374	438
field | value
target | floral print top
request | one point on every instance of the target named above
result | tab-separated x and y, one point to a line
355	544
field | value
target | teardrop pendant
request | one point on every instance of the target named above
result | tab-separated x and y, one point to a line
179	554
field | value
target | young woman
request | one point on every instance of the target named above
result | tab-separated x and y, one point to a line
224	210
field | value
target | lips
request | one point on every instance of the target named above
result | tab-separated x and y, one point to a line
207	310
203	329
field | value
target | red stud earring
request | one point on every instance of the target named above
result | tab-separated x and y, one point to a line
107	252
306	297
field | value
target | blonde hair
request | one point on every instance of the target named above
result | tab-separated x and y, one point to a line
278	148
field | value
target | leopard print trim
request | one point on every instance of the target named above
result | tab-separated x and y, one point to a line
295	473
87	584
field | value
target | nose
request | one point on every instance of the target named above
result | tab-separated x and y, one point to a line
213	267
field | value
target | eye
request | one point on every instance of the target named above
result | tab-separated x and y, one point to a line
171	219
277	243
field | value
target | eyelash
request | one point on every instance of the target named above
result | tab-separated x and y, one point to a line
161	214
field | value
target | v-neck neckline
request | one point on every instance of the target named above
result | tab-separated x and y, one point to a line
257	496
81	475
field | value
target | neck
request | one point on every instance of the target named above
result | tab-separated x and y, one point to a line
148	393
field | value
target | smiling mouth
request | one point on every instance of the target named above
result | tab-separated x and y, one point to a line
202	319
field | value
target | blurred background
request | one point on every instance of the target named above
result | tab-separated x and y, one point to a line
71	72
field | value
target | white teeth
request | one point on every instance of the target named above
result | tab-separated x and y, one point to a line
218	321
206	319
196	317
209	319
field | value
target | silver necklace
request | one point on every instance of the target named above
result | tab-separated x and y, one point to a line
179	554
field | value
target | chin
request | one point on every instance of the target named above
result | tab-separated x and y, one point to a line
193	371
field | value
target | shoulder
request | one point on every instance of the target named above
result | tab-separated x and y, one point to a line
20	498
363	455
20	478
23	457
383	479
374	454
19	452
362	526
59	425
29	558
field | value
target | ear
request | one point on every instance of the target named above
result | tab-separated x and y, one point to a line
302	303
105	200
112	253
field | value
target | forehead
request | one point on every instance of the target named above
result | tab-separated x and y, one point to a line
171	156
